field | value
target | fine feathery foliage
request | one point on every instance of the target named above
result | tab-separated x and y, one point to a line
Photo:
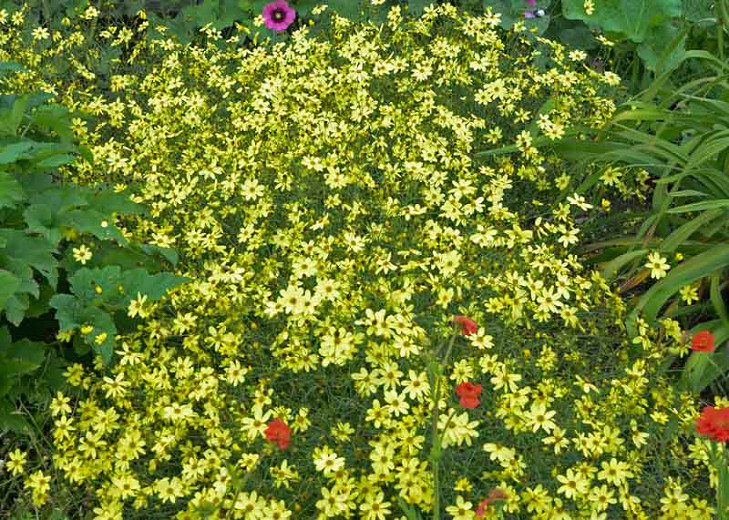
335	202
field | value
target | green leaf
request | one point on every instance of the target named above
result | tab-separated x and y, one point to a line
717	300
700	206
698	267
40	219
167	253
11	419
62	197
53	117
90	221
68	311
85	281
677	237
154	286
703	368
613	267
9	283
106	201
633	18
37	252
11	192
6	66
653	50
14	152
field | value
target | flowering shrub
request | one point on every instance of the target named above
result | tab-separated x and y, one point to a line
328	211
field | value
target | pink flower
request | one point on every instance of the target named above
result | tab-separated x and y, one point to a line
278	15
531	2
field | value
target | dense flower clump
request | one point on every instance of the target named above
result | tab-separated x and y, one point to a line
328	203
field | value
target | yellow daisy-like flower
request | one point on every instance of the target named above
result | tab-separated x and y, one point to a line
82	254
16	461
658	265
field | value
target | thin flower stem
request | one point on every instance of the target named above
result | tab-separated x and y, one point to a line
435	449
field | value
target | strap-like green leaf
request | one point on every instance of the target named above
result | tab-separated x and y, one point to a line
693	269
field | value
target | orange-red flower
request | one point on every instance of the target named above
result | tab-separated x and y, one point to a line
494	495
278	433
714	423
468	326
703	342
468	394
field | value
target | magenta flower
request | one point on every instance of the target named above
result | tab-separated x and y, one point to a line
531	2
278	15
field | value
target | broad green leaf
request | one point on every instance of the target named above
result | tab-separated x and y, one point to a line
11	192
68	311
11	66
12	367
40	219
91	221
167	253
11	419
9	283
37	252
62	197
14	152
85	281
33	352
653	50
633	18
54	161
15	308
153	285
103	328
53	117
106	201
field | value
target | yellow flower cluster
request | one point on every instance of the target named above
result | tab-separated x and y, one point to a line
329	206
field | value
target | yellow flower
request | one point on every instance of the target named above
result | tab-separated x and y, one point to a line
538	417
462	510
375	507
16	461
136	307
82	254
39	484
614	472
658	265
573	484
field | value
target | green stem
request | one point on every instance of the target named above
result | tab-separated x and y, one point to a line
435	449
723	481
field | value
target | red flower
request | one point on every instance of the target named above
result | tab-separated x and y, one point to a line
494	495
714	423
468	394
703	342
278	433
468	327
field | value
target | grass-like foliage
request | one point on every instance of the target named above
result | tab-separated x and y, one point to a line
326	205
